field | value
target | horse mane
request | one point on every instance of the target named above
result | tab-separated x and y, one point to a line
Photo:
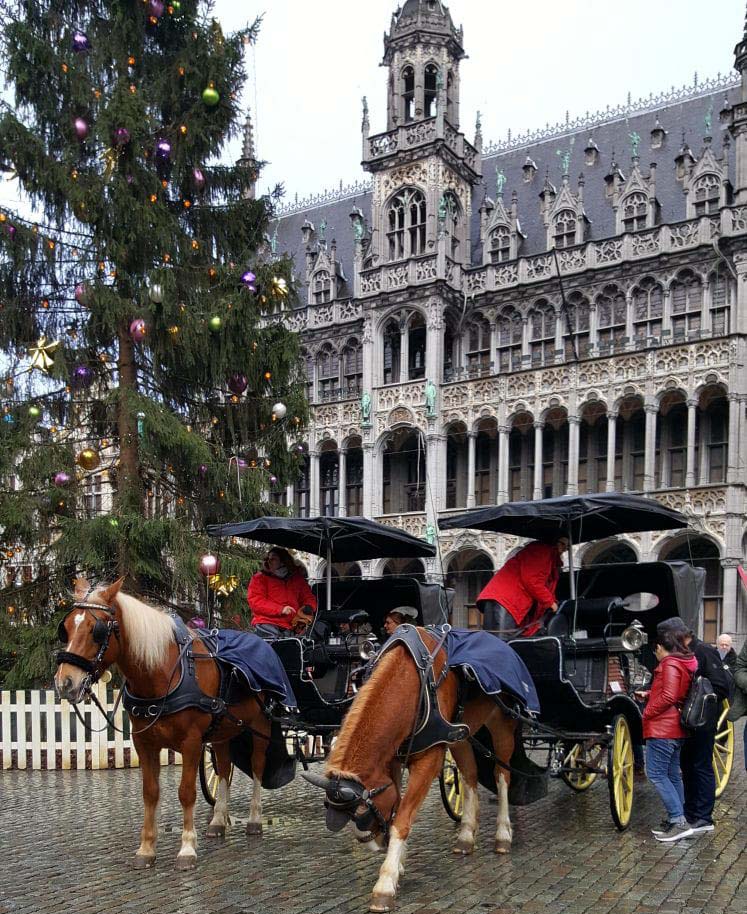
150	631
351	753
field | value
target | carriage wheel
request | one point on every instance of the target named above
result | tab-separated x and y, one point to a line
209	775
450	785
580	778
723	750
620	772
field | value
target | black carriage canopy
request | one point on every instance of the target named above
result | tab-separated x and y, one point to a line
581	517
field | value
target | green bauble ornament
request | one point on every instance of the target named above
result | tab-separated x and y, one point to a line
210	96
34	412
215	323
176	6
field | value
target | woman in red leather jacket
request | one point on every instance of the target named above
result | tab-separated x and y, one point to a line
664	733
279	597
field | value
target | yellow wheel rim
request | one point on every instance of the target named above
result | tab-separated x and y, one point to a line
621	773
452	785
211	775
580	779
723	750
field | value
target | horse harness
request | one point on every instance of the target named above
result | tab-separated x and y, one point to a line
342	802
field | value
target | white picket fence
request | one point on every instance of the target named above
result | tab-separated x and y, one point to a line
38	731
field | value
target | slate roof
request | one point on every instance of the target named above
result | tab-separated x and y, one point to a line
683	115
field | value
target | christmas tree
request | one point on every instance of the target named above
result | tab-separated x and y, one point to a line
143	395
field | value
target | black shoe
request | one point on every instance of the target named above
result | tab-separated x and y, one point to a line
701	826
675	832
661	829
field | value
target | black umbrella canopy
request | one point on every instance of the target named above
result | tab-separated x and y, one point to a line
582	517
343	539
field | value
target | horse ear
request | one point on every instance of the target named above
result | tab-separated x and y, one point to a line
112	590
82	588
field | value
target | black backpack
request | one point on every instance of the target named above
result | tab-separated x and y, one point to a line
701	707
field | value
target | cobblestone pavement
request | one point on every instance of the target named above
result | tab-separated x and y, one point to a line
67	840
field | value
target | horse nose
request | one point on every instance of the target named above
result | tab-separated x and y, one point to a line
66	686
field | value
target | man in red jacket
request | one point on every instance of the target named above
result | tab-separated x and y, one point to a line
519	594
279	596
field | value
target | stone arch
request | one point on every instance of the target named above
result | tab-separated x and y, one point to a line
703	550
610	552
467	572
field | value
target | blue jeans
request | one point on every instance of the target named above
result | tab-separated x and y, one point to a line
663	770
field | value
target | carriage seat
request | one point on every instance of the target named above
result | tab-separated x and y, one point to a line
592	617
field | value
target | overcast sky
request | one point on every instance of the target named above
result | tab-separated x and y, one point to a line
529	62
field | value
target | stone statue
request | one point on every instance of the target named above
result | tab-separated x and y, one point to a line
635	142
323	230
430	399
565	160
430	534
708	120
442	209
500	183
366	408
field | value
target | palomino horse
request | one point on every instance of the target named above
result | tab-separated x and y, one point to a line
107	627
363	772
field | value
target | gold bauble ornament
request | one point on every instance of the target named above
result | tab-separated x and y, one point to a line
88	459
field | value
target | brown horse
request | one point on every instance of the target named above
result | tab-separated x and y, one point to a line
107	627
363	772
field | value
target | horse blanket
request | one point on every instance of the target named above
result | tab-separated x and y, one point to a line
255	660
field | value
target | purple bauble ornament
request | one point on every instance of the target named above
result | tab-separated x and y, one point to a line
238	383
209	565
61	479
202	470
81	128
83	294
80	42
248	279
121	136
197	622
138	330
163	150
198	178
155	8
82	377
12	231
273	480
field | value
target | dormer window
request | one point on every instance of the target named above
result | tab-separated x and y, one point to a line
322	287
406	225
564	229
635	212
500	244
706	193
408	95
431	90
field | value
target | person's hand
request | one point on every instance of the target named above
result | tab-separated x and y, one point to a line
641	696
554	608
287	611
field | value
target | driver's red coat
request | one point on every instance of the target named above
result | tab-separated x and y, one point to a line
267	595
526	584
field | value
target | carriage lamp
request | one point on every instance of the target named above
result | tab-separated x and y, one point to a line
368	649
633	638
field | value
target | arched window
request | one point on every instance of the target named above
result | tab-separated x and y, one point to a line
510	333
672	428
648	309
612	315
630	446
329	481
354	479
564	229
403	472
706	195
687	304
308	363
703	553
486	463
521	458
592	449
616	553
392	350
555	440
500	244
321	287
328	375
478	346
301	490
720	302
416	347
457	482
634	212
542	325
576	327
408	95
713	431
352	368
430	86
406	224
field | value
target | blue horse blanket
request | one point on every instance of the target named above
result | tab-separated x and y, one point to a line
255	659
493	663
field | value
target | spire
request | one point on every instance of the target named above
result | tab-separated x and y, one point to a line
248	155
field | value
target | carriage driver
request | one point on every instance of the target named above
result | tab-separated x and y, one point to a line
518	595
279	597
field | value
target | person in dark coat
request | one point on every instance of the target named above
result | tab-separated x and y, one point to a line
697	752
726	651
739	696
518	595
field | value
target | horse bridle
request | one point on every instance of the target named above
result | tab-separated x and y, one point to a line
346	795
103	630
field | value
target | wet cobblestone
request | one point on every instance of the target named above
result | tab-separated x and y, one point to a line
68	838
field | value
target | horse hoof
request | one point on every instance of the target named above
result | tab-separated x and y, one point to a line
253	829
381	902
216	831
186	863
143	861
463	848
502	846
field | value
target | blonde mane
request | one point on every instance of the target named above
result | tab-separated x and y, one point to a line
149	631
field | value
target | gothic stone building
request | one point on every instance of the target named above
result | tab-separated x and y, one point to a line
491	323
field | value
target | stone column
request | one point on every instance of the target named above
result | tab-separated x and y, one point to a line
404	354
538	426
574	432
471	441
611	447
649	460
314	484
503	432
370	501
730	597
342	509
290	494
732	473
692	418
